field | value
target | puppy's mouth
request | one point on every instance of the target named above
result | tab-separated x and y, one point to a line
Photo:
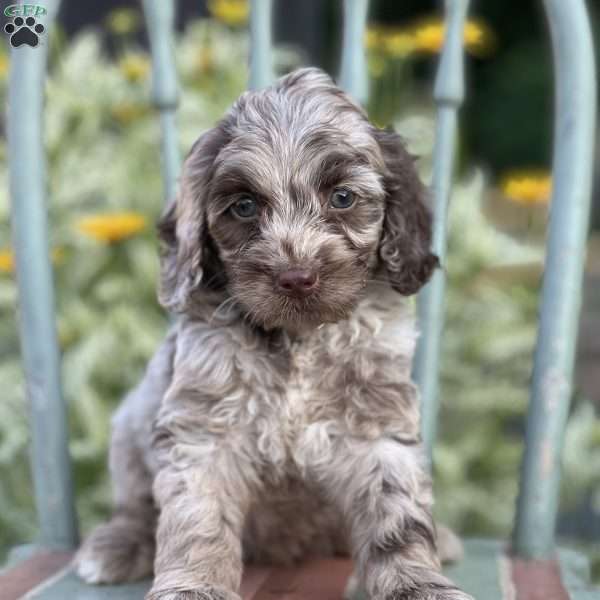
297	306
295	303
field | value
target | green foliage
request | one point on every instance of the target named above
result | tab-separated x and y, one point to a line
487	360
102	143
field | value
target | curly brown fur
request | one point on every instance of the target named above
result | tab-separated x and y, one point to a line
203	593
278	418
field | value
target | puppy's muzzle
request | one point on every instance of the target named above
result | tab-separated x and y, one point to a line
298	283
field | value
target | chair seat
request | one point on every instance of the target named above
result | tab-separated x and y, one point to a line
484	573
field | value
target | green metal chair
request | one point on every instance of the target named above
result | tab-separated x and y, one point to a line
527	567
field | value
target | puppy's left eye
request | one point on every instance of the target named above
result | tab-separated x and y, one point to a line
245	208
341	198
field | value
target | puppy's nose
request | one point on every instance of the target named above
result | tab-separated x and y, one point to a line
297	282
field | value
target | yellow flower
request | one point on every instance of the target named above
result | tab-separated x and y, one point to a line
527	187
429	37
477	37
123	20
7	259
134	66
3	66
110	228
371	39
393	41
398	43
373	36
127	112
230	12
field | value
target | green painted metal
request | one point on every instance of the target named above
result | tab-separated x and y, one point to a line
39	345
71	587
160	16
261	45
575	113
448	95
353	73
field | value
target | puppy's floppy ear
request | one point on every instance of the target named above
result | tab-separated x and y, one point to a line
404	248
182	229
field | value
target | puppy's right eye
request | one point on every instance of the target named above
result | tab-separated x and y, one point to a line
245	208
341	198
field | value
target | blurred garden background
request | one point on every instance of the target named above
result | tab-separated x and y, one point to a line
105	193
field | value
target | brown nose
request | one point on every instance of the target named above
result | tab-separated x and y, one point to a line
297	282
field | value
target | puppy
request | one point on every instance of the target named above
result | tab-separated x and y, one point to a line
278	418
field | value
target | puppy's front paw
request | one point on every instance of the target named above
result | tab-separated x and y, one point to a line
429	593
416	583
206	592
116	552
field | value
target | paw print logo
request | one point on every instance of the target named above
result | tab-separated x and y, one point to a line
24	31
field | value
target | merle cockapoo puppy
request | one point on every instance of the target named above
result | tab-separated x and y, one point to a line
278	418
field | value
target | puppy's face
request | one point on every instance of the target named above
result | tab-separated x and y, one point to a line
291	205
295	210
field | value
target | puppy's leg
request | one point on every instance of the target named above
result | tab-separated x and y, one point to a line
386	498
202	511
123	548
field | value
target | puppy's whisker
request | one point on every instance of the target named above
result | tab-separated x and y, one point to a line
229	304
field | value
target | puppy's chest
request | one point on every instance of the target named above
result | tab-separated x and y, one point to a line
300	403
297	412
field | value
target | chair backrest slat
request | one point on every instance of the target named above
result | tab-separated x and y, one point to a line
39	344
448	95
353	72
574	131
261	45
160	16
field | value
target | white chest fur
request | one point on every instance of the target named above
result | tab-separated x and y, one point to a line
329	371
